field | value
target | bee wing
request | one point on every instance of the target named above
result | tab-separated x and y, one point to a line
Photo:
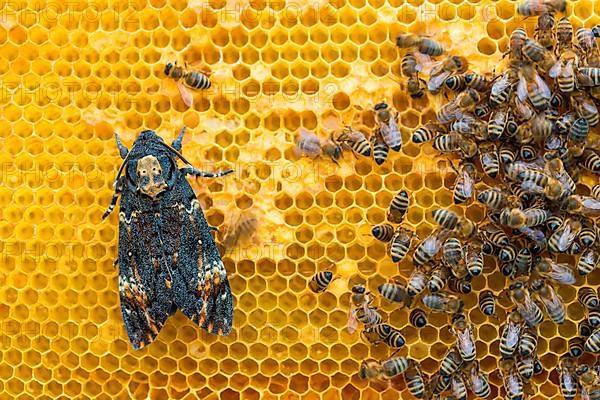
531	186
522	88
589	107
533	234
566	238
591	203
555	70
186	96
500	85
543	86
424	63
568	70
467	184
436	81
352	321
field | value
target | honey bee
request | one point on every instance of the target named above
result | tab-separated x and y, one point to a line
400	243
394	292
559	273
555	169
451	363
532	8
445	218
383	232
537	182
493	198
356	140
596	191
438	279
528	342
593	317
425	133
418	318
320	281
525	367
415	86
590	160
380	149
458	387
516	43
528	309
487	302
507	253
576	346
359	309
564	34
511	334
497	124
447	142
394	366
440	71
513	383
388	126
516	218
387	334
415	382
585	107
523	261
428	248
588	262
495	235
369	370
564	236
502	88
589	76
478	381
589	384
416	283
439	383
532	86
187	79
310	145
424	45
536	53
463	331
587	236
588	297
554	304
564	72
398	207
455	83
586	43
544	30
488	156
452	254
466	228
460	285
442	302
583	205
568	380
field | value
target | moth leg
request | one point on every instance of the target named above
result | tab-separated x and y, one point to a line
113	201
213	228
203	174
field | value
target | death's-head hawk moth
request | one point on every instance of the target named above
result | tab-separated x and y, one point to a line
167	257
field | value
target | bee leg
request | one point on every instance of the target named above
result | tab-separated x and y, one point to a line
204	174
213	228
177	143
395	352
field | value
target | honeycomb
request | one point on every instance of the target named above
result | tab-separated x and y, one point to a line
75	72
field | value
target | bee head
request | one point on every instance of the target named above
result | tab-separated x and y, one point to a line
168	68
380	106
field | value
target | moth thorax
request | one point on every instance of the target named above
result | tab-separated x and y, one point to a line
150	179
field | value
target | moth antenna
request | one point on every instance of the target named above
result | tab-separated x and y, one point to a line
178	154
177	143
123	151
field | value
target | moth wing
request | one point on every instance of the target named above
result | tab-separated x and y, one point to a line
144	277
200	286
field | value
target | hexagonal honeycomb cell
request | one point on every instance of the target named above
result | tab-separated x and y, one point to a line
73	73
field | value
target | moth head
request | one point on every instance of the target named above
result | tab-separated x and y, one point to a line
150	178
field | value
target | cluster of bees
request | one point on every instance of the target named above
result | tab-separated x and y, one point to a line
525	139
